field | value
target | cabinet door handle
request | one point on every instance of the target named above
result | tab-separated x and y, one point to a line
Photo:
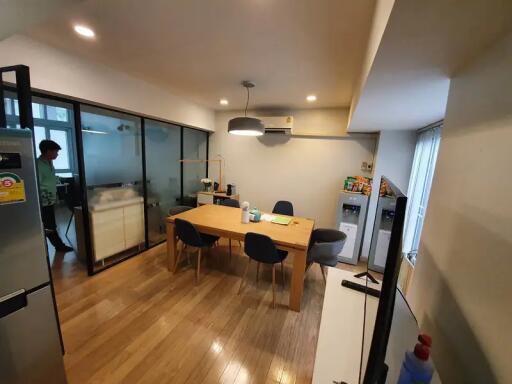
13	302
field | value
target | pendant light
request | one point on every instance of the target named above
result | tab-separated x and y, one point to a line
246	126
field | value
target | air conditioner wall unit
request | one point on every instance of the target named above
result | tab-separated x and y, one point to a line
282	125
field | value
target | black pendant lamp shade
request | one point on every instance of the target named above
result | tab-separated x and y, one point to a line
246	126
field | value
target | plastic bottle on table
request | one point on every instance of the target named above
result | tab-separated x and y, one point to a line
245	212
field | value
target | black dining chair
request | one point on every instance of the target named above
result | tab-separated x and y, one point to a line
324	247
283	207
230	203
190	237
262	249
233	204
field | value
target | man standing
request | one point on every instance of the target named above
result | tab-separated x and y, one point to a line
48	189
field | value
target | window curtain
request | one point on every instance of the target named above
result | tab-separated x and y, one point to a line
423	166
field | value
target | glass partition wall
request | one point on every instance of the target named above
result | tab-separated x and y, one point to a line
163	175
119	174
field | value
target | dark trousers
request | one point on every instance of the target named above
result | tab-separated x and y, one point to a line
50	226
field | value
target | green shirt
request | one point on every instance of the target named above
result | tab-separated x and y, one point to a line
47	182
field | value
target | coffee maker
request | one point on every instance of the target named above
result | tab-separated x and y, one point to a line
231	190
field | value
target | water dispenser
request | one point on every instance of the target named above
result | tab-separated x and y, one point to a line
351	219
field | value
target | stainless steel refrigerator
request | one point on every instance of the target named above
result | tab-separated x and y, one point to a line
30	348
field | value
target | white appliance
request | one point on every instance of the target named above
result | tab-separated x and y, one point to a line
278	124
348	249
30	348
381	250
351	219
381	233
30	344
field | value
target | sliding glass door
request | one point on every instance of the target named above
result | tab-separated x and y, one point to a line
163	175
112	155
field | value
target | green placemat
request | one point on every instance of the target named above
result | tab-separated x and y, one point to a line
282	220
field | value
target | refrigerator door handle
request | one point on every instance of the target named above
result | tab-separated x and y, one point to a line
12	302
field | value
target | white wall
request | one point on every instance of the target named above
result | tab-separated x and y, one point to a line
58	72
461	292
395	153
307	171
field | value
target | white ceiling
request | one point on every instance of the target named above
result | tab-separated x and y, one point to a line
423	45
202	50
15	15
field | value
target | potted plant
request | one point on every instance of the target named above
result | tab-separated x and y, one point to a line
207	183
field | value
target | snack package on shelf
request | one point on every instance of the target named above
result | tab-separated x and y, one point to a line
358	184
383	188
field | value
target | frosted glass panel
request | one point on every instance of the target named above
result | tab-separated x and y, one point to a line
112	147
163	175
194	147
113	173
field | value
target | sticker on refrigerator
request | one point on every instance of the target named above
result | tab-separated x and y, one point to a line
12	188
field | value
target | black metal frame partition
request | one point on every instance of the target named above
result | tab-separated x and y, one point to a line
91	270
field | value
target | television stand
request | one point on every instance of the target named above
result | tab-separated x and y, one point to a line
361	288
368	275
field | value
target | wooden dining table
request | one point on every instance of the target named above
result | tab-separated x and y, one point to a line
226	222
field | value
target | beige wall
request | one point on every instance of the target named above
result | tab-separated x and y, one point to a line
307	171
379	21
461	292
55	71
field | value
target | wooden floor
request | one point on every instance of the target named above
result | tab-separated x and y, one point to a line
137	323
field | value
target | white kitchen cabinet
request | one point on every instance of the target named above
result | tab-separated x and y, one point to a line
133	225
116	227
107	229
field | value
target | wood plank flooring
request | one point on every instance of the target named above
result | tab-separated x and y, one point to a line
137	323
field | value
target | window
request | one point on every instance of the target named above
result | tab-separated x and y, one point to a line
8	106
423	166
39	135
53	120
56	113
61	137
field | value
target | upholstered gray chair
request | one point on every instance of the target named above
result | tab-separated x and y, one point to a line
178	209
324	247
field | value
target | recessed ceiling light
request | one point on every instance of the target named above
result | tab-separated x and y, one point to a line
311	98
84	31
224	102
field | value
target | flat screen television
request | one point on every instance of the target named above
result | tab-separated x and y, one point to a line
387	232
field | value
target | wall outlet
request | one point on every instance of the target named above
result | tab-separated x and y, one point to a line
366	166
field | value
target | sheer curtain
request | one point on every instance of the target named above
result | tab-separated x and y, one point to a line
420	183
